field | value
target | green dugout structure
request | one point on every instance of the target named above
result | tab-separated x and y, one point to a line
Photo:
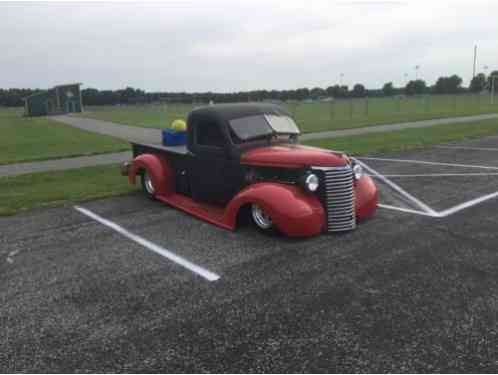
60	99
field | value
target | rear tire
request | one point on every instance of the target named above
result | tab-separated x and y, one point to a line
147	185
262	220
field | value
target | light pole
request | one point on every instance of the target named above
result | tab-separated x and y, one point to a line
416	71
341	76
475	61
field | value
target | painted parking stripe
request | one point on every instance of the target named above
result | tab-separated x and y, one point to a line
208	275
408	210
427	211
429	163
439	175
447	212
469	148
467	204
397	188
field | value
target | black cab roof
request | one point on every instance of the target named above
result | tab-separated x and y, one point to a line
227	112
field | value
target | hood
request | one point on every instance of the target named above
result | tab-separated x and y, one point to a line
293	156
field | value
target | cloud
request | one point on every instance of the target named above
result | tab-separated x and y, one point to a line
226	46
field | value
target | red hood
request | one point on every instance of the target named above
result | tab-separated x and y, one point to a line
293	156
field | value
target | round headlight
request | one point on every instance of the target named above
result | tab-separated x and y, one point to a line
357	171
311	182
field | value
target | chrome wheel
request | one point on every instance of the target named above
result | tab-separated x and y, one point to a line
260	218
148	185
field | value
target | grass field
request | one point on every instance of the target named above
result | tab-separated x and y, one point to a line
28	139
319	116
49	189
58	188
147	116
408	138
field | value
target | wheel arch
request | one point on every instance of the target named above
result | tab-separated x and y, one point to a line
158	168
293	211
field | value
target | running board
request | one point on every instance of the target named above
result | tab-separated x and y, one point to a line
208	212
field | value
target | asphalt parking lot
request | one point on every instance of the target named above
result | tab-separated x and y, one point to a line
413	290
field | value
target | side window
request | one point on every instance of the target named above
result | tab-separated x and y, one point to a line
208	134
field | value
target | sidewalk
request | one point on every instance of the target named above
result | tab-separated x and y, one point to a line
62	164
398	126
148	135
124	132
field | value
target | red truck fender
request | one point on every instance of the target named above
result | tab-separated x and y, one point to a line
159	170
366	198
293	211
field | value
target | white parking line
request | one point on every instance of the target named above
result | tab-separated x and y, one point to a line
208	275
430	163
438	175
395	187
470	203
469	148
427	211
444	213
408	210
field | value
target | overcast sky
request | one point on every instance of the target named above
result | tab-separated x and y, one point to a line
227	46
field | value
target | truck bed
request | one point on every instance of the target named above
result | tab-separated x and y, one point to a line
141	148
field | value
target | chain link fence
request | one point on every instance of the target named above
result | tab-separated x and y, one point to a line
348	113
313	116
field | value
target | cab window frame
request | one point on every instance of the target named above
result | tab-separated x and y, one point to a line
214	149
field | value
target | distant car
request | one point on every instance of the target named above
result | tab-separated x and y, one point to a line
245	159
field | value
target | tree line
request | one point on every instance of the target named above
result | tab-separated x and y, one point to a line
91	96
13	97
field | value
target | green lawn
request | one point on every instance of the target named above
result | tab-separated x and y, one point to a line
147	116
319	116
58	188
27	139
408	138
18	193
345	114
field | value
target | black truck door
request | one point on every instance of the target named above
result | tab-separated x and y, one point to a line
214	177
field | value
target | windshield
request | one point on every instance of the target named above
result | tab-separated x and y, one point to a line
250	127
282	124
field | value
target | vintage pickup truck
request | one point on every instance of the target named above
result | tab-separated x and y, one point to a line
244	159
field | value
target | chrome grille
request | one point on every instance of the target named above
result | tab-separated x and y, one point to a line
338	197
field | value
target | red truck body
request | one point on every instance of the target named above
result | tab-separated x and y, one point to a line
298	190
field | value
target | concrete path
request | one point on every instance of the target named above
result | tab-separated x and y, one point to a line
124	132
62	164
399	126
148	135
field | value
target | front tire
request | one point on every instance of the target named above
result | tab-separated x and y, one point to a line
147	185
261	219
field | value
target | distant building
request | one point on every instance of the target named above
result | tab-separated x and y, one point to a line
60	99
